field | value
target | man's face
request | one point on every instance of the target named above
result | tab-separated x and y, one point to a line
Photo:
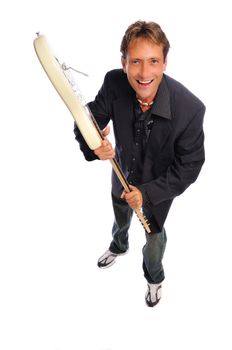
144	66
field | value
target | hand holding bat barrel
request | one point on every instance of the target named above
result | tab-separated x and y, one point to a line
105	151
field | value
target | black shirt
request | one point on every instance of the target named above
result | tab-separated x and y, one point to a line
143	122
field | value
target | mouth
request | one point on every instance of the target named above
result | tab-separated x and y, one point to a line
144	82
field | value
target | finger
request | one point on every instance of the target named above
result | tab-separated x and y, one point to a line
123	195
135	205
105	143
132	188
134	201
108	149
108	154
130	195
106	131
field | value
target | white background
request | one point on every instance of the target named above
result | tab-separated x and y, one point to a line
56	212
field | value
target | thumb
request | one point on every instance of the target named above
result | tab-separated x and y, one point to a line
106	131
123	195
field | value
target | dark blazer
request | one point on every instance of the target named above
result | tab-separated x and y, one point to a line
175	149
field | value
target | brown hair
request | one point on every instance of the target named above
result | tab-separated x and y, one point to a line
149	30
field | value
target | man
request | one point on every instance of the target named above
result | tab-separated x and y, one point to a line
159	143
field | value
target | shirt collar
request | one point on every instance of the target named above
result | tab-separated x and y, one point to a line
161	105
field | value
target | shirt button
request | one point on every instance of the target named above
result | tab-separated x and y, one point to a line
133	158
136	143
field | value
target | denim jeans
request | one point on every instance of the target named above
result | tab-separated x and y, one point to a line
153	249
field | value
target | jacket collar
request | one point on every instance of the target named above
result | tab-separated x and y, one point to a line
161	105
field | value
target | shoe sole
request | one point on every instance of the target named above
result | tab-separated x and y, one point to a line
112	262
106	266
152	304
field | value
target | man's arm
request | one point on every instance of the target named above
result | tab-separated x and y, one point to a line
99	108
189	158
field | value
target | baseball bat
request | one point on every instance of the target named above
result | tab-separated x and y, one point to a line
65	85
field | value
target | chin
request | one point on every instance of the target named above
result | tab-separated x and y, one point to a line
144	96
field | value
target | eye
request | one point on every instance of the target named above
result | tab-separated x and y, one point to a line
135	61
154	61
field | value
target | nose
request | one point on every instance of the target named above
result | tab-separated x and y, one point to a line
144	71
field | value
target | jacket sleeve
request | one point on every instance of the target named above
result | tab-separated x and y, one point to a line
100	110
185	168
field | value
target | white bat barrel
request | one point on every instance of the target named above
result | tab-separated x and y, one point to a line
66	92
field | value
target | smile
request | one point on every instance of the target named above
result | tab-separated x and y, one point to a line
144	82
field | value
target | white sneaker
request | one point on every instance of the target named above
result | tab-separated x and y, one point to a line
108	259
153	294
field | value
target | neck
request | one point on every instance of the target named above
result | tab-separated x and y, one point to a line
145	105
146	101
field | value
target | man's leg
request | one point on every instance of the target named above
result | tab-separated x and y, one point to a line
122	220
119	245
153	252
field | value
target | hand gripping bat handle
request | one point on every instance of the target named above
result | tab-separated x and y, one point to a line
126	187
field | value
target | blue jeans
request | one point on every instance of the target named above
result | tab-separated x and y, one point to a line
153	250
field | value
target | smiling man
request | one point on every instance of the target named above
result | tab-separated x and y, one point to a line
144	65
158	128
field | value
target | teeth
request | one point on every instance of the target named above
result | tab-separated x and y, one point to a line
144	81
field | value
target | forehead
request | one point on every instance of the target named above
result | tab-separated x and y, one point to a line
143	47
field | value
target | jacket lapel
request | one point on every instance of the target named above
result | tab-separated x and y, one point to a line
159	133
161	111
162	127
123	126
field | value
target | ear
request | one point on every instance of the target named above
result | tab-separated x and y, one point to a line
123	61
